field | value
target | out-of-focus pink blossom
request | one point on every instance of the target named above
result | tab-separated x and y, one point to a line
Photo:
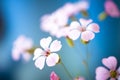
85	28
54	76
47	53
79	78
71	9
20	47
110	71
56	22
111	9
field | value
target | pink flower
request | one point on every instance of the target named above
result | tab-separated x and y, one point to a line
85	28
71	9
20	47
111	9
110	71
54	76
56	22
79	78
48	53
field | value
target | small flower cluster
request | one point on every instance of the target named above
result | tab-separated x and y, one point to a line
57	22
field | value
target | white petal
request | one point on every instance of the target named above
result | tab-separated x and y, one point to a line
55	46
87	35
102	73
40	62
45	42
52	59
85	22
93	27
37	53
74	25
74	34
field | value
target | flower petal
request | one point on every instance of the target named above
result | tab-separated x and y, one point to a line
74	25
37	53
74	34
15	54
45	42
52	59
54	76
102	73
93	27
55	46
40	62
87	35
26	56
85	22
110	62
118	70
111	9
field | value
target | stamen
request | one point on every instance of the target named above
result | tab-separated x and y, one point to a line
113	74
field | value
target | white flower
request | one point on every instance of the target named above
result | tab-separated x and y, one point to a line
85	28
47	53
20	47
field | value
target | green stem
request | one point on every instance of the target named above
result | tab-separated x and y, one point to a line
70	76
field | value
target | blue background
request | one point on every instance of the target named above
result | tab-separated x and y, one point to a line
23	17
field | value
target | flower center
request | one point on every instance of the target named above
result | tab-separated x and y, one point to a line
47	53
83	29
113	74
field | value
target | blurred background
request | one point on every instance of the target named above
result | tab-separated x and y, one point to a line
22	17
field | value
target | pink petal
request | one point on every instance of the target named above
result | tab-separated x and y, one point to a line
63	32
85	22
55	46
26	56
74	34
82	5
15	54
54	76
52	59
37	53
87	35
93	27
110	62
111	9
102	73
40	62
45	42
79	78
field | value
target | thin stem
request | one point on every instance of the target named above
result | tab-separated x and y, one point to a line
70	76
87	59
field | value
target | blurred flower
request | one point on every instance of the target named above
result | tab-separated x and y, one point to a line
54	76
47	53
71	9
85	28
56	22
111	9
79	78
20	47
110	70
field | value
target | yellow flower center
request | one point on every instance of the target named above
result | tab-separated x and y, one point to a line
113	74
